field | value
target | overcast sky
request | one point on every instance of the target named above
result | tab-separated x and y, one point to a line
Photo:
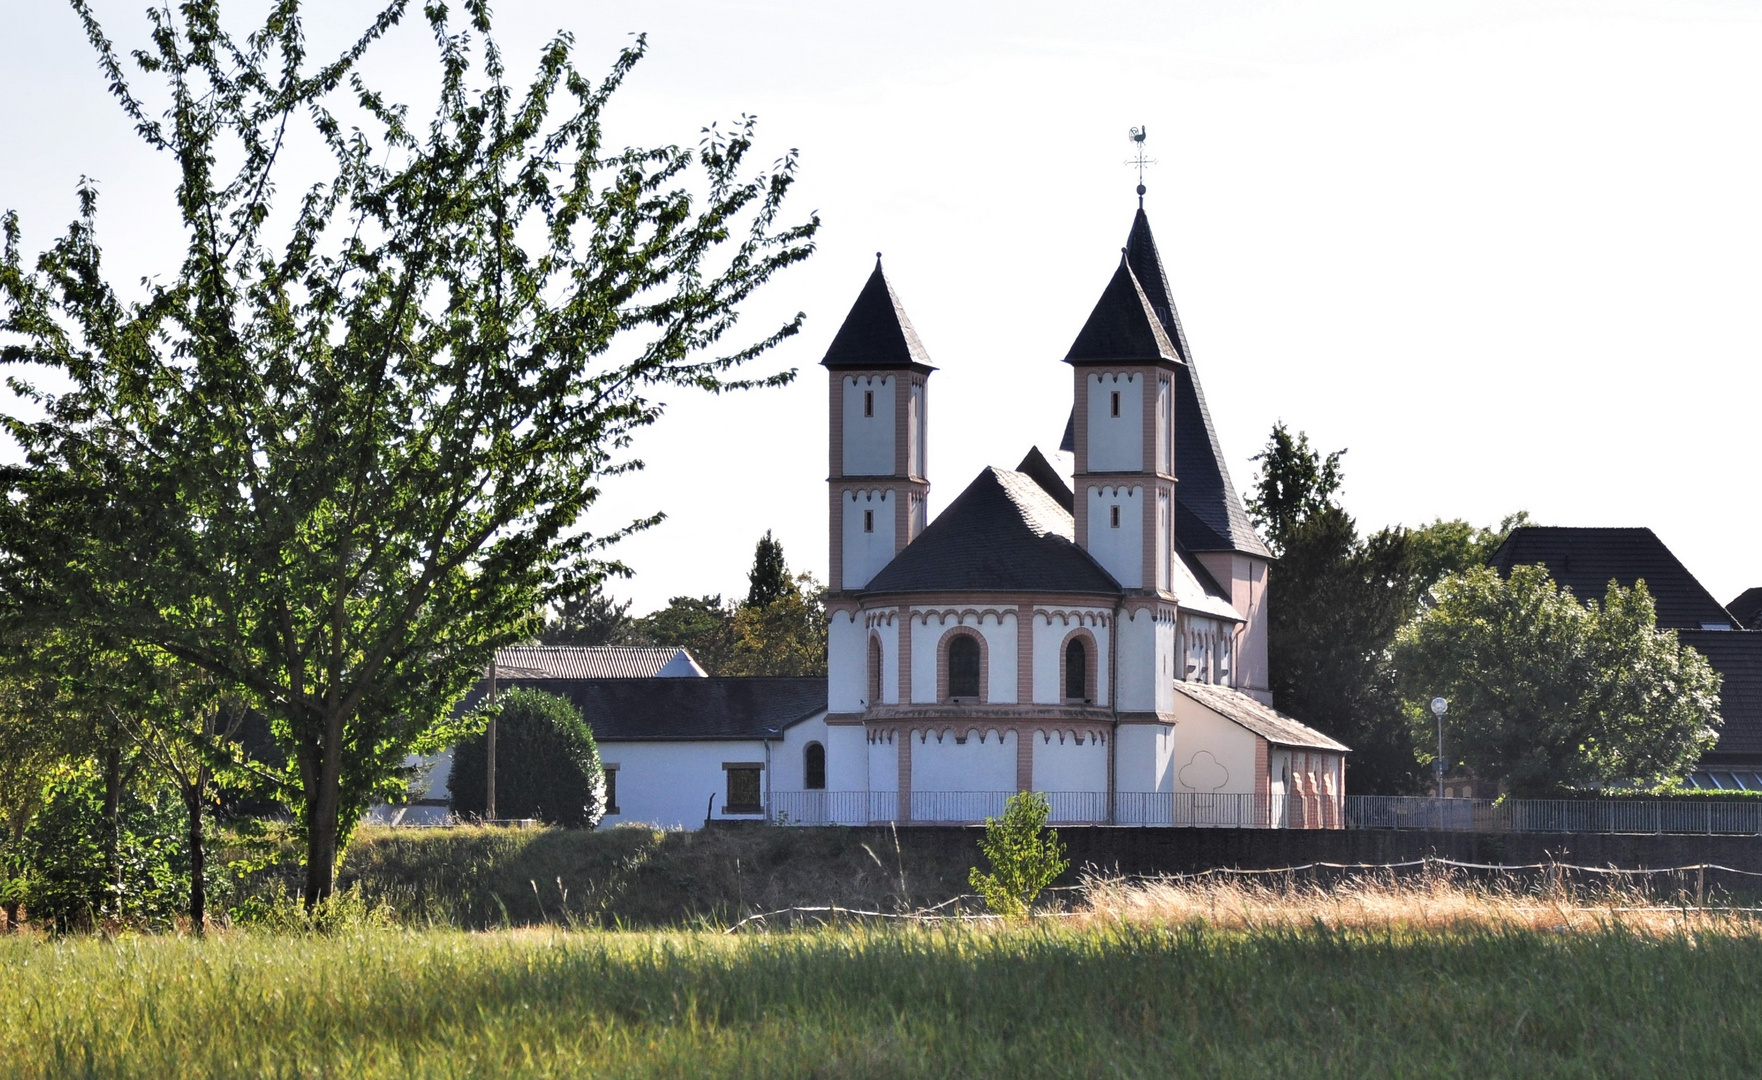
1508	254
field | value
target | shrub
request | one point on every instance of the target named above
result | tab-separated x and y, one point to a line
547	765
1025	856
69	880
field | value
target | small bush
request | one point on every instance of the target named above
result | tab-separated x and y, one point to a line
547	765
1025	856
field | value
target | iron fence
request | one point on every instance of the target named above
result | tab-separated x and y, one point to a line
1143	808
1703	816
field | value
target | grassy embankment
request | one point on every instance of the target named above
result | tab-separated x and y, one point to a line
1425	978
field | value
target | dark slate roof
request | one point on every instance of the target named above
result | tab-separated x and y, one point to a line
1747	608
1737	656
876	333
716	707
1586	560
1263	720
1123	326
1005	533
1043	472
1215	519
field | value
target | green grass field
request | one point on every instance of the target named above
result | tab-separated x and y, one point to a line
1097	999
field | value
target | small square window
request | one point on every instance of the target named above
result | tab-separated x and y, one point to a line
868	403
1116	402
1114	516
868	521
744	790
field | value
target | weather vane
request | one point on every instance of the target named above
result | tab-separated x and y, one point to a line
1138	159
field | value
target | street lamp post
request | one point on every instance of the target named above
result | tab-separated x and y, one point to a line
1440	706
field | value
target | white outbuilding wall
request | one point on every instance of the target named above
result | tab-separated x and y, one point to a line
671	784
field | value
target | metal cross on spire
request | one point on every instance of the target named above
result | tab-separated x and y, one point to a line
1138	159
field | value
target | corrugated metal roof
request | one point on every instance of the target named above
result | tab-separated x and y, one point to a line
1263	720
595	662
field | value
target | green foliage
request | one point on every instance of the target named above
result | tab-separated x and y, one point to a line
702	624
1337	601
344	450
768	581
547	764
784	637
1025	856
1548	693
588	617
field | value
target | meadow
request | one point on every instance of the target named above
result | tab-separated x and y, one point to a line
1213	978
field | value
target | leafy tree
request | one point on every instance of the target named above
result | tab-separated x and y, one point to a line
547	764
1548	693
702	624
1452	547
784	637
344	451
588	617
1025	856
768	581
1293	485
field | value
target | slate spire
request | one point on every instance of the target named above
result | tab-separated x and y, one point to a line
1123	326
877	333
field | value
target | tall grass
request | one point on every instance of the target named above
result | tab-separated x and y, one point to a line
1096	996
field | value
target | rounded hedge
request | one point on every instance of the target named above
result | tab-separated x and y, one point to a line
547	765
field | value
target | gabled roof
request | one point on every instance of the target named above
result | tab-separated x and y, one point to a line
1263	720
1123	327
717	707
1037	468
595	662
876	333
1737	656
1747	608
1005	533
1214	519
1197	591
1586	560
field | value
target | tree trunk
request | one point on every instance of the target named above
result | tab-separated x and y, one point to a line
113	828
322	826
198	857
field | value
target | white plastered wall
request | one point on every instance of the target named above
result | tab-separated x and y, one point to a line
847	662
1144	757
868	440
1116	443
1066	760
868	533
883	760
1246	578
1050	631
671	784
1119	551
1139	684
998	628
1212	753
985	761
847	758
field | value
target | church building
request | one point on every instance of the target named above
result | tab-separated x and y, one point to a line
1090	624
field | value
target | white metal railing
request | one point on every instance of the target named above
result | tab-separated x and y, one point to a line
1704	816
1146	808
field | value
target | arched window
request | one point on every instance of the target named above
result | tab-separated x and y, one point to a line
1076	670
963	666
813	767
875	697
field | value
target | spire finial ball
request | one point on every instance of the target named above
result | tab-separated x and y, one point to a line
1140	191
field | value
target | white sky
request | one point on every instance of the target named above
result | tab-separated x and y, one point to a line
1507	253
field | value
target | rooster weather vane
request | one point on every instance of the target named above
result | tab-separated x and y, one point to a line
1138	159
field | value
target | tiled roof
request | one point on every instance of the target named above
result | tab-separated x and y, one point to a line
595	662
876	333
1005	533
1747	608
1263	720
1039	469
1215	519
1123	326
1586	560
717	707
1737	656
1196	590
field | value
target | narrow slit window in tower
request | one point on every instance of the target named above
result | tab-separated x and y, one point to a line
1116	402
868	403
1113	516
868	521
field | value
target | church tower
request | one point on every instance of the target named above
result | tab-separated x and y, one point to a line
876	420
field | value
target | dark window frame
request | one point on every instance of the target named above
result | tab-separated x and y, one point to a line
965	642
611	773
740	774
813	772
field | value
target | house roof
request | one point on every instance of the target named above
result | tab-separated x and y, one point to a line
876	333
595	662
1263	720
1004	533
711	708
1209	515
1038	468
1586	560
1123	326
1737	656
1747	608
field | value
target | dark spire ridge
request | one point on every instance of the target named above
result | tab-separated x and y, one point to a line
876	333
1123	326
